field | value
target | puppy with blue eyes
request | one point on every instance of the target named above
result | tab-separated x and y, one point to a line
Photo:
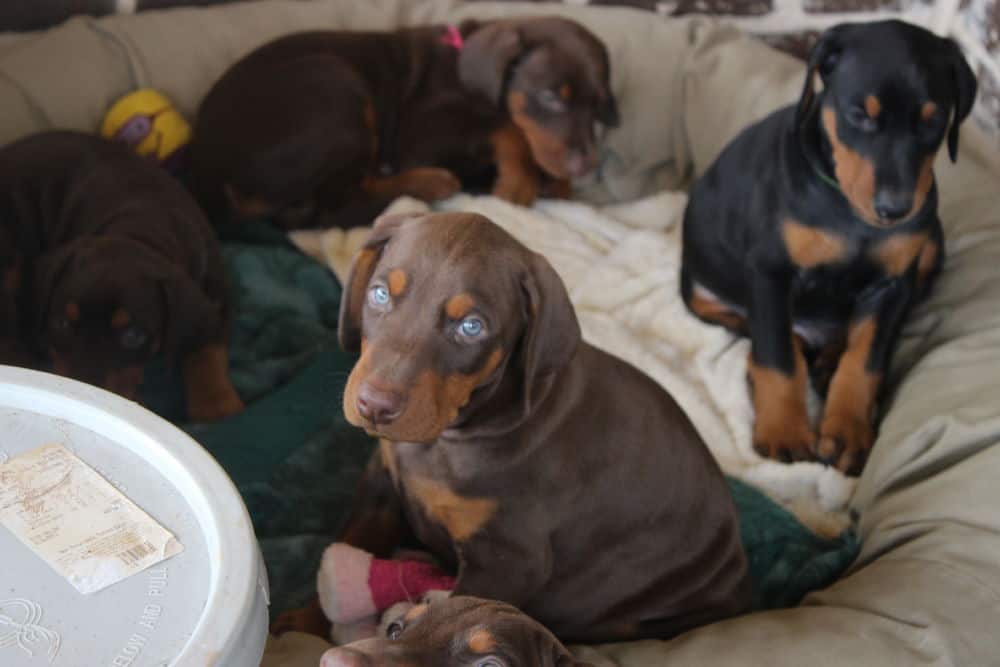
546	473
456	631
108	263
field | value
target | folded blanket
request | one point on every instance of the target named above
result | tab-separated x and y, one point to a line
297	462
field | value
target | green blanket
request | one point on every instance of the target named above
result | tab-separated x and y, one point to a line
297	461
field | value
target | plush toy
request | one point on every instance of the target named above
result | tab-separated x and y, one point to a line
354	587
146	121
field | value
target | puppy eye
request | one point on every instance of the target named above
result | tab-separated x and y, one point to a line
394	630
133	338
63	324
550	100
472	327
378	296
860	119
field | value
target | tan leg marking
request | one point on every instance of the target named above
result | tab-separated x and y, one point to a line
781	428
846	433
518	180
210	393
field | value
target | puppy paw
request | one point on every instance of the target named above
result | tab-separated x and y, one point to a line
521	190
215	406
844	443
432	183
793	442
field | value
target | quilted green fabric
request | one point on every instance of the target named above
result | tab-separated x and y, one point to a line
297	462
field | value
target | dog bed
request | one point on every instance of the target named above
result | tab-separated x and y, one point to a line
925	586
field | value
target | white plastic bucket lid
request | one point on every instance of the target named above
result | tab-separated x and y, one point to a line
205	606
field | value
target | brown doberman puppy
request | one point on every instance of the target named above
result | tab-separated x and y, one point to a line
323	128
108	262
547	473
457	631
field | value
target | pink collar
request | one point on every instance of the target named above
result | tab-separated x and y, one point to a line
453	38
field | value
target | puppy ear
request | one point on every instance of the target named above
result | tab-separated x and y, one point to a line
552	332
189	316
49	271
486	56
964	94
352	298
822	60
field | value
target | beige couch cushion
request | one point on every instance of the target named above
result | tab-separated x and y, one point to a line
926	588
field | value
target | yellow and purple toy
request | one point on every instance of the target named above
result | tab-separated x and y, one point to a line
147	122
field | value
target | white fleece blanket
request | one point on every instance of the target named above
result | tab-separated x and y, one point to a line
620	265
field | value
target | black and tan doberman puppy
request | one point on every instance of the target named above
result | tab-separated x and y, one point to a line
457	631
326	128
108	262
545	472
816	230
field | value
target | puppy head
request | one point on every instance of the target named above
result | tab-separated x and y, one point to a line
105	309
457	631
554	78
443	307
891	91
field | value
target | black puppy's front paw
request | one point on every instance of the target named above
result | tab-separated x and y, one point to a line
845	442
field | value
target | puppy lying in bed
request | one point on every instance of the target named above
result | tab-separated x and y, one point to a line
324	128
455	631
545	472
107	262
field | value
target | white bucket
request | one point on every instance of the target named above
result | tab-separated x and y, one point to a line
206	606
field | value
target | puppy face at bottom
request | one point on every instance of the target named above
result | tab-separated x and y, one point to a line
460	631
443	306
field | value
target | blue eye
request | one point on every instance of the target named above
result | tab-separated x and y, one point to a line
378	296
471	327
133	338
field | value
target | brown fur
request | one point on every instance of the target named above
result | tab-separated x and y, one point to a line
397	282
927	111
462	517
518	178
781	427
846	429
120	319
873	106
481	640
809	247
548	150
855	173
897	253
459	306
210	393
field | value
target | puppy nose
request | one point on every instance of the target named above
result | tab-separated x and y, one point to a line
344	657
378	405
892	205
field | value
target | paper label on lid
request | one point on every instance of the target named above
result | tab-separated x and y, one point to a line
76	521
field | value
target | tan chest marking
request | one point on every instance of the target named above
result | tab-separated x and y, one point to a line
462	517
898	252
809	247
